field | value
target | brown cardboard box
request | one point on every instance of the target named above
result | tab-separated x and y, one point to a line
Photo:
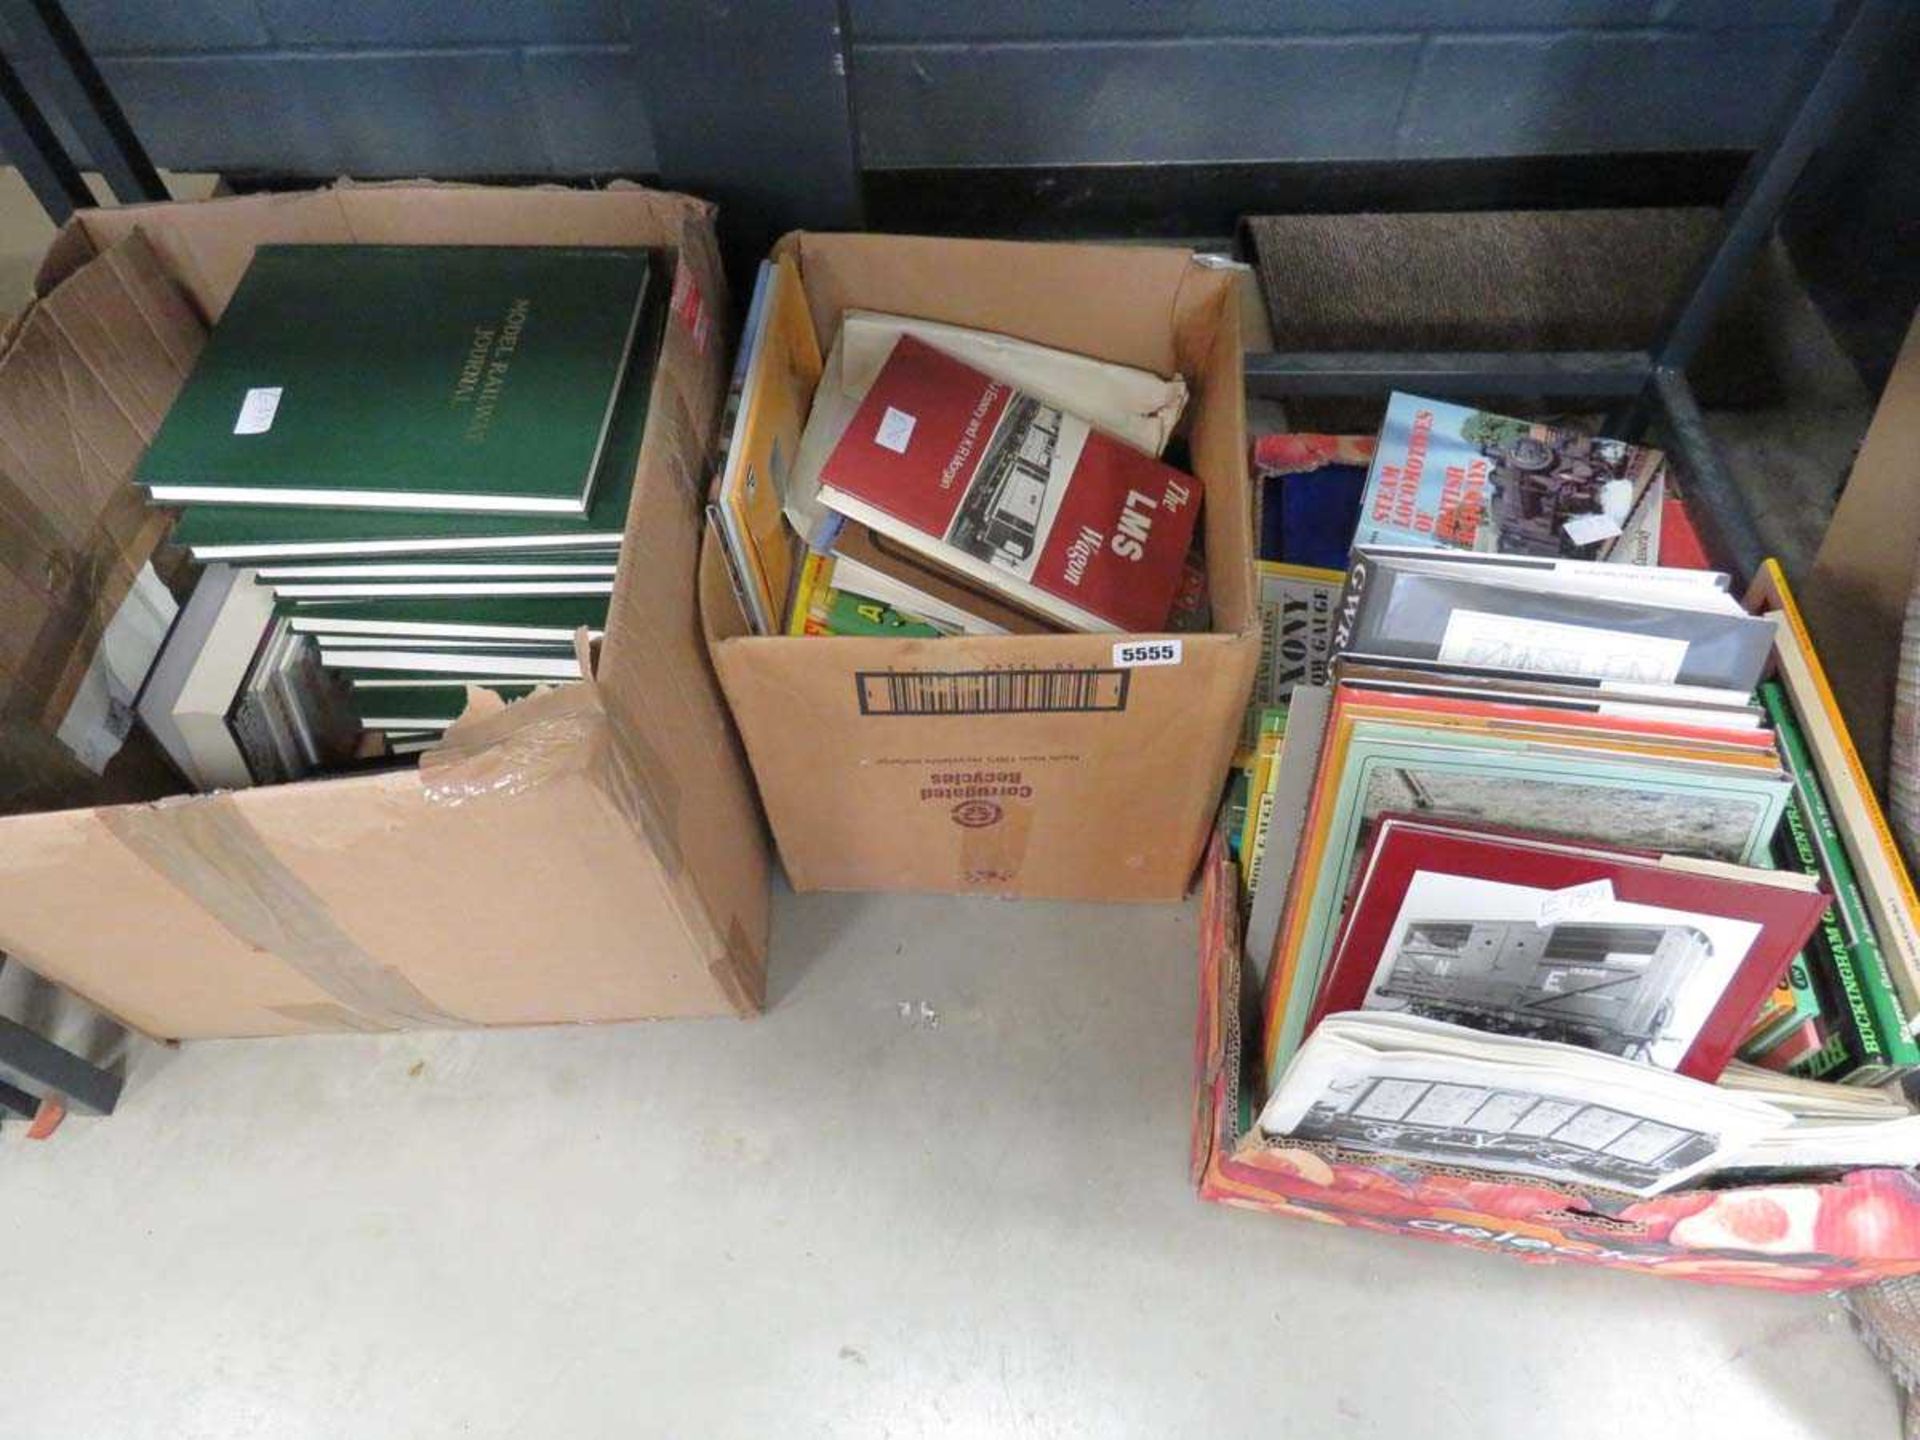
1032	765
588	854
1856	600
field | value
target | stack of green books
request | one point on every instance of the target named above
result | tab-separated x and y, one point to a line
427	452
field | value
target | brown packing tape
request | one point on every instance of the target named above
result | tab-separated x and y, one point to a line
206	849
547	736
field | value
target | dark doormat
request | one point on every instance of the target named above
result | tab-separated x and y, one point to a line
1507	280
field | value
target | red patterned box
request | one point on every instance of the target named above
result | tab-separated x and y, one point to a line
1864	1228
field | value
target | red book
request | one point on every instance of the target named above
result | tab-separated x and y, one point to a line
1680	545
1654	958
1014	493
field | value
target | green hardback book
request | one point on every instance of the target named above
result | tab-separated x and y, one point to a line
256	534
1861	1051
1869	960
421	706
525	565
489	617
473	379
405	662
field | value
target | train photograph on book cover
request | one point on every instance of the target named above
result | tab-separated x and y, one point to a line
1446	1123
1539	482
1604	986
999	521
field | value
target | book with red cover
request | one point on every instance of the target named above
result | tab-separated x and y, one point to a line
1656	958
1018	496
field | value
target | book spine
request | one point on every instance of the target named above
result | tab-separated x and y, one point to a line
1869	960
1896	900
1361	573
1833	959
1273	724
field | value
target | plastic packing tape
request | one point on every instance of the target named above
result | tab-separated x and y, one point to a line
564	733
206	848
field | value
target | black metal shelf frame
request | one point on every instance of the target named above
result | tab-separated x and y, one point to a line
1645	385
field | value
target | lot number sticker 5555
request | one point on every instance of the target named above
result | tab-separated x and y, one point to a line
1132	654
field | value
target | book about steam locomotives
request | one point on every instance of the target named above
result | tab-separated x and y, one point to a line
1017	494
1451	478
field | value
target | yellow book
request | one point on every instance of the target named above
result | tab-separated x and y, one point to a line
813	572
1263	772
781	372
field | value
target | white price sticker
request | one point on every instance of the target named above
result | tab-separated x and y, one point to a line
1132	654
1576	902
257	410
896	429
1590	529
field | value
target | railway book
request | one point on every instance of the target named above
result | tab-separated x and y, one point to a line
1426	1090
1603	623
771	392
1018	495
1453	478
1661	959
465	378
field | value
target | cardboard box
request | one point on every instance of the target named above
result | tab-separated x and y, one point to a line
589	854
1857	1229
1863	576
1047	765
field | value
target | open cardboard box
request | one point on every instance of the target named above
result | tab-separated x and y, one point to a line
1046	765
587	854
1862	1227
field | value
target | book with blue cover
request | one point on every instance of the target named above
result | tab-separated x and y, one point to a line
1448	477
1306	496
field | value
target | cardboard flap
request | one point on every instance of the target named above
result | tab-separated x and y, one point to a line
1111	302
84	384
1863	576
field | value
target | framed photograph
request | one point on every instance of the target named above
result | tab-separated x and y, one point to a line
1652	958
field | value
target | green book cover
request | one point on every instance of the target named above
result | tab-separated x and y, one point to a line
1831	862
597	563
466	378
849	614
256	534
423	702
1805	1007
487	617
1835	962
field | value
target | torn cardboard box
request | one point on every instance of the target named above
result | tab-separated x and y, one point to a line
588	854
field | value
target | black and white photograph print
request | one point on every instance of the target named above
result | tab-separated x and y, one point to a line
1016	488
1477	1126
1637	981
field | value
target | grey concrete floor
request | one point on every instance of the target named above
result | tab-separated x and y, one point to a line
939	1190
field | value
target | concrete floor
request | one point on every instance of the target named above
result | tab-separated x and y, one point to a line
939	1190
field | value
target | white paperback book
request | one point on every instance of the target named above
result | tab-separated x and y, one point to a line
205	660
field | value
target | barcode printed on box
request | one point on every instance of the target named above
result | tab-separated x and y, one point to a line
989	692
